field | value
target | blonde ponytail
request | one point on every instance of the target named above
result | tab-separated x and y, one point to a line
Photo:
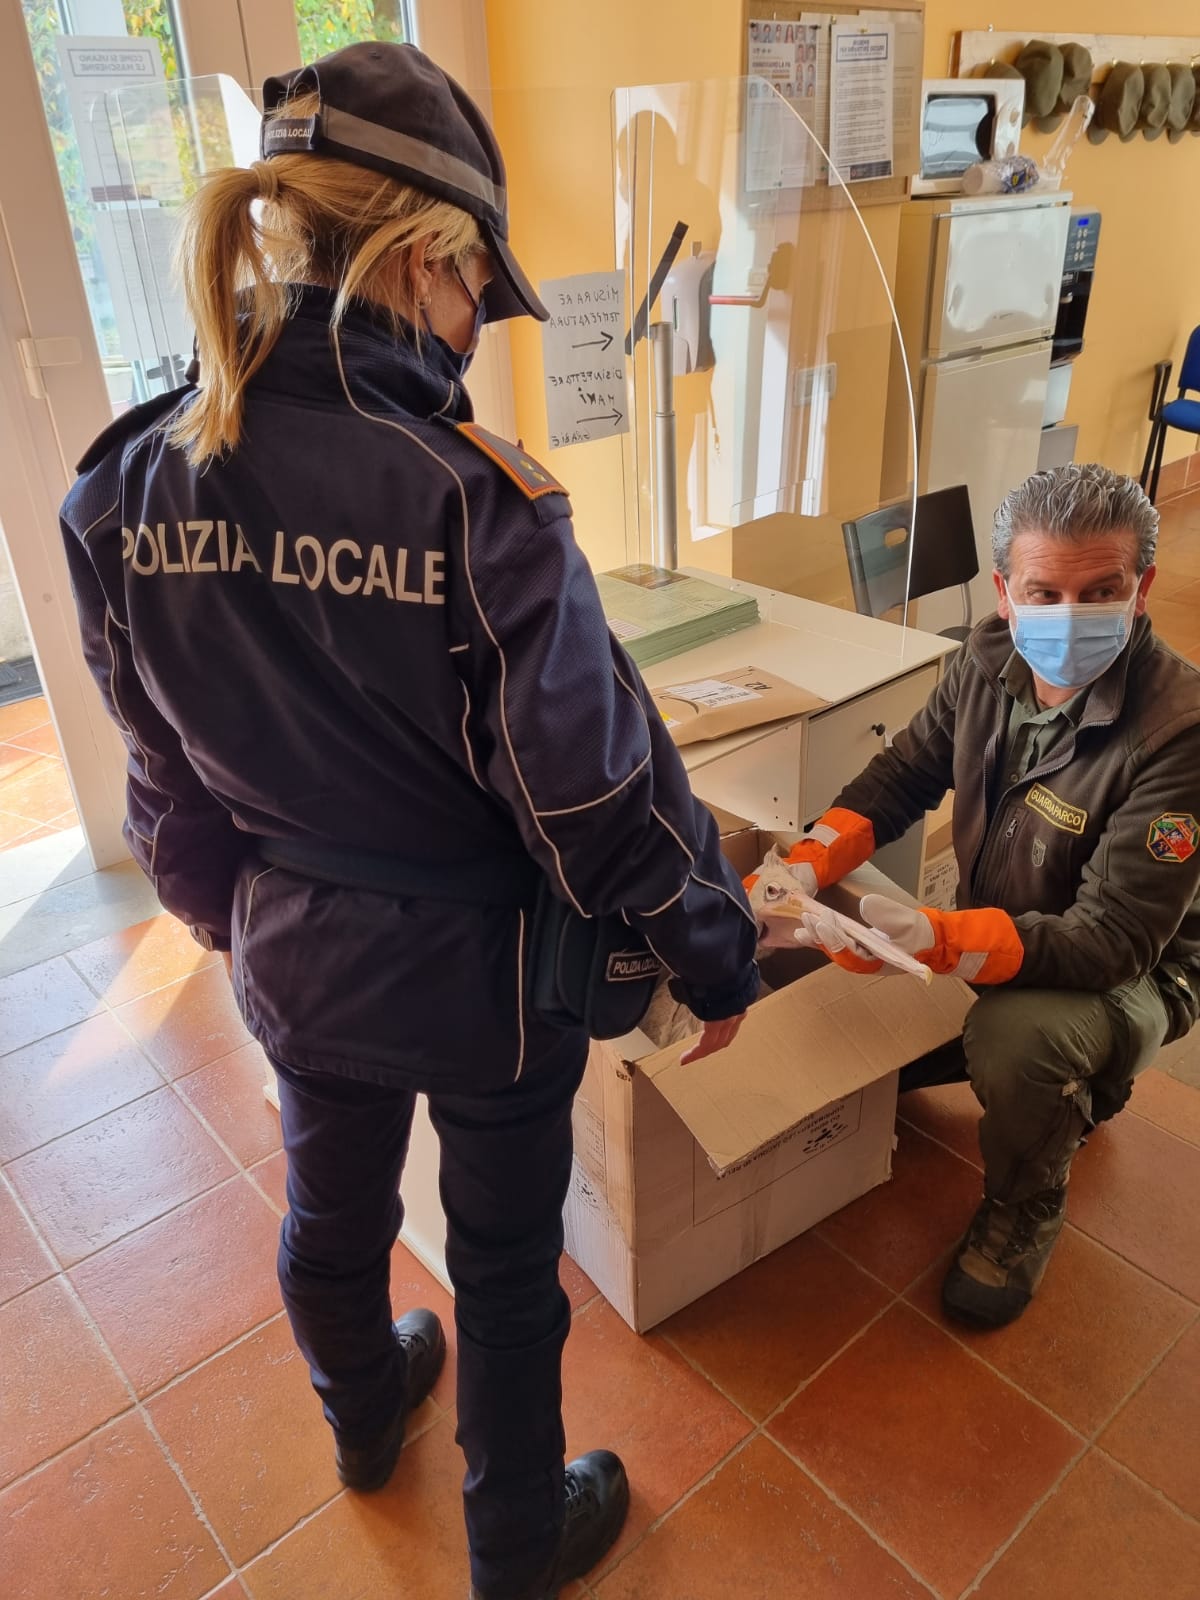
319	220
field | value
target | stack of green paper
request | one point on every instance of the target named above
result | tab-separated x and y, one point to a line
657	614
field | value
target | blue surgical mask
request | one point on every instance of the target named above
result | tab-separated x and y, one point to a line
1071	645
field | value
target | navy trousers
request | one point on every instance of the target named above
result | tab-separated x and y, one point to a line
505	1168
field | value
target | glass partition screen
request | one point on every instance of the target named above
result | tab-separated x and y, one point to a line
768	391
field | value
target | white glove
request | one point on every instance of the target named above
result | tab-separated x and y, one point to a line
818	932
890	935
904	925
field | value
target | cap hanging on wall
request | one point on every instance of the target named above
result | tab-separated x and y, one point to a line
1156	100
1041	65
1183	100
1120	103
1077	80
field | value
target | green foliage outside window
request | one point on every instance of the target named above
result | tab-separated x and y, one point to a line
151	19
44	25
326	25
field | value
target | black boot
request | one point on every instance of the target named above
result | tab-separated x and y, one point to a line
1003	1259
369	1466
597	1504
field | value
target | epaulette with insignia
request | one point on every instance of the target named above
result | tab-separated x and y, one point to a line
532	480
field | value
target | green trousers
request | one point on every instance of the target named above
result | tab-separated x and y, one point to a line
1046	1065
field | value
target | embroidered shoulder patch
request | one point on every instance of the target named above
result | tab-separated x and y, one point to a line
1058	813
1174	836
532	480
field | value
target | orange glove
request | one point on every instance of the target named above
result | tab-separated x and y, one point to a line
979	946
834	845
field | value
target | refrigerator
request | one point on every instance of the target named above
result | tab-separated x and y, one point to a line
978	282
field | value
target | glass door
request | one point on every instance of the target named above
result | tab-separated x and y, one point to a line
65	369
83	50
86	326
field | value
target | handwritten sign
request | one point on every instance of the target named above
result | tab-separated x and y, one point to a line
583	354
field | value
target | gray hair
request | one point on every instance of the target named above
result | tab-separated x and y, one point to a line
1075	502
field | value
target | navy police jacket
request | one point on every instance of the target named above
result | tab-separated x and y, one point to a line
370	625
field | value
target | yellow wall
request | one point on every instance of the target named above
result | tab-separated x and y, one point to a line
554	65
557	141
1147	295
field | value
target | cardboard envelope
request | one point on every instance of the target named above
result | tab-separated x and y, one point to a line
744	697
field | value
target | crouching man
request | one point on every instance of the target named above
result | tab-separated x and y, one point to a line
1070	736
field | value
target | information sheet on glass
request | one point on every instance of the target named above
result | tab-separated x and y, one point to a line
164	138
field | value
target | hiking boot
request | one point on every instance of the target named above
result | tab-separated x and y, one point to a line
597	1504
369	1466
1002	1259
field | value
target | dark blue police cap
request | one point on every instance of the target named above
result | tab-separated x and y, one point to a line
390	108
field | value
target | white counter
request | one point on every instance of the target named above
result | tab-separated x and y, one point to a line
872	675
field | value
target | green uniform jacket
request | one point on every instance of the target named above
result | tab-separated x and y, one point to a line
1095	853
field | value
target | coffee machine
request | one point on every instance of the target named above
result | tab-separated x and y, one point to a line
1079	272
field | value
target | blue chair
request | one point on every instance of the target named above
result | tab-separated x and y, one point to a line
1180	413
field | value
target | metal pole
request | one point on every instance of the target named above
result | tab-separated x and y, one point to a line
665	533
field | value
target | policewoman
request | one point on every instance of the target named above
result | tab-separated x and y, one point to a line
371	706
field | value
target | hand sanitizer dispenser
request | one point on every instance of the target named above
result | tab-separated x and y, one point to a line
685	304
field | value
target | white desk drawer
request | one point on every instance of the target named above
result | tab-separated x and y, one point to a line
842	740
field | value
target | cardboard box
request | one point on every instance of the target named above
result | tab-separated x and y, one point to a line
939	882
939	877
742	844
684	1175
939	828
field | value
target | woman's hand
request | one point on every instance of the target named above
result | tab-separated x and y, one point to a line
716	1036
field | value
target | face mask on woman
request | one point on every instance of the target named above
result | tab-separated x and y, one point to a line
1071	645
461	359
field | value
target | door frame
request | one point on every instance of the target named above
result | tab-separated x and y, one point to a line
48	416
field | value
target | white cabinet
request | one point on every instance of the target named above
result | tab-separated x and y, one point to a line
840	742
996	276
981	424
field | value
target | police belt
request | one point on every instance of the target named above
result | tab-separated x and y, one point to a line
506	881
594	973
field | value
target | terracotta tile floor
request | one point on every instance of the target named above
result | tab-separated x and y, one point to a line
812	1429
35	797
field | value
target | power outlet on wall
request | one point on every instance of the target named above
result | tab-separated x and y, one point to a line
812	384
